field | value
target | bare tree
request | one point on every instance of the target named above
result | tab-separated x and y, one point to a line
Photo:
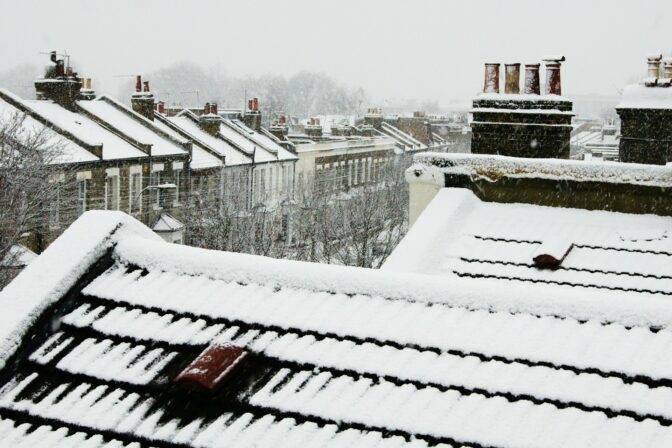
328	222
28	160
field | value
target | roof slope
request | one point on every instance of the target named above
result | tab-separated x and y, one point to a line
459	235
380	360
84	128
133	125
188	123
67	150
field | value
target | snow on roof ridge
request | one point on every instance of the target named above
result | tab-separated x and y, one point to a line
428	165
51	275
142	118
599	305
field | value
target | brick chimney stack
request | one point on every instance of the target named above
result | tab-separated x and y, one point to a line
314	128
512	76
142	100
532	84
252	117
553	82
491	84
60	84
209	121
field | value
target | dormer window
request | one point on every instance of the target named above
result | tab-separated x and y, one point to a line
213	367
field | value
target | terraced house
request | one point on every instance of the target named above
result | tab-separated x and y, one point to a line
140	161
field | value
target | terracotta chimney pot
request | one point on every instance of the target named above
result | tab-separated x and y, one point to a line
512	78
491	84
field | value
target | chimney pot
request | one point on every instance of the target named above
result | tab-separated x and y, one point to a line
653	61
162	107
553	82
491	84
532	85
256	104
138	83
146	86
250	104
667	65
213	108
512	78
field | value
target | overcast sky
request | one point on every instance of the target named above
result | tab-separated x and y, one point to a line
425	49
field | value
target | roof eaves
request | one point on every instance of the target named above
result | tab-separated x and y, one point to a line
59	268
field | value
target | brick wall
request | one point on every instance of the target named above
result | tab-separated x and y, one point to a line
646	135
520	128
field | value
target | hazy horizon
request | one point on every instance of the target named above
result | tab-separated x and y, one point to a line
395	50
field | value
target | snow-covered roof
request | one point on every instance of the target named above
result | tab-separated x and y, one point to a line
187	123
18	256
85	129
409	142
459	235
133	125
340	357
167	223
266	148
638	96
68	151
430	167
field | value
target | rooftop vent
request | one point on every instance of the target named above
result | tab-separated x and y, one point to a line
552	253
213	367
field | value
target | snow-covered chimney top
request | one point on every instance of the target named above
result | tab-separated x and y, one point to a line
653	62
553	58
553	81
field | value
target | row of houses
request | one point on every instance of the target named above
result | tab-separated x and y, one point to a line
157	163
140	160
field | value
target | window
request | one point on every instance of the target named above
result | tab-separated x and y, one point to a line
135	191
157	168
156	181
178	179
55	208
81	195
177	176
83	178
112	192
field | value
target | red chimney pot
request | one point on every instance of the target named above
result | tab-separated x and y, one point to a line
213	108
138	83
256	104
